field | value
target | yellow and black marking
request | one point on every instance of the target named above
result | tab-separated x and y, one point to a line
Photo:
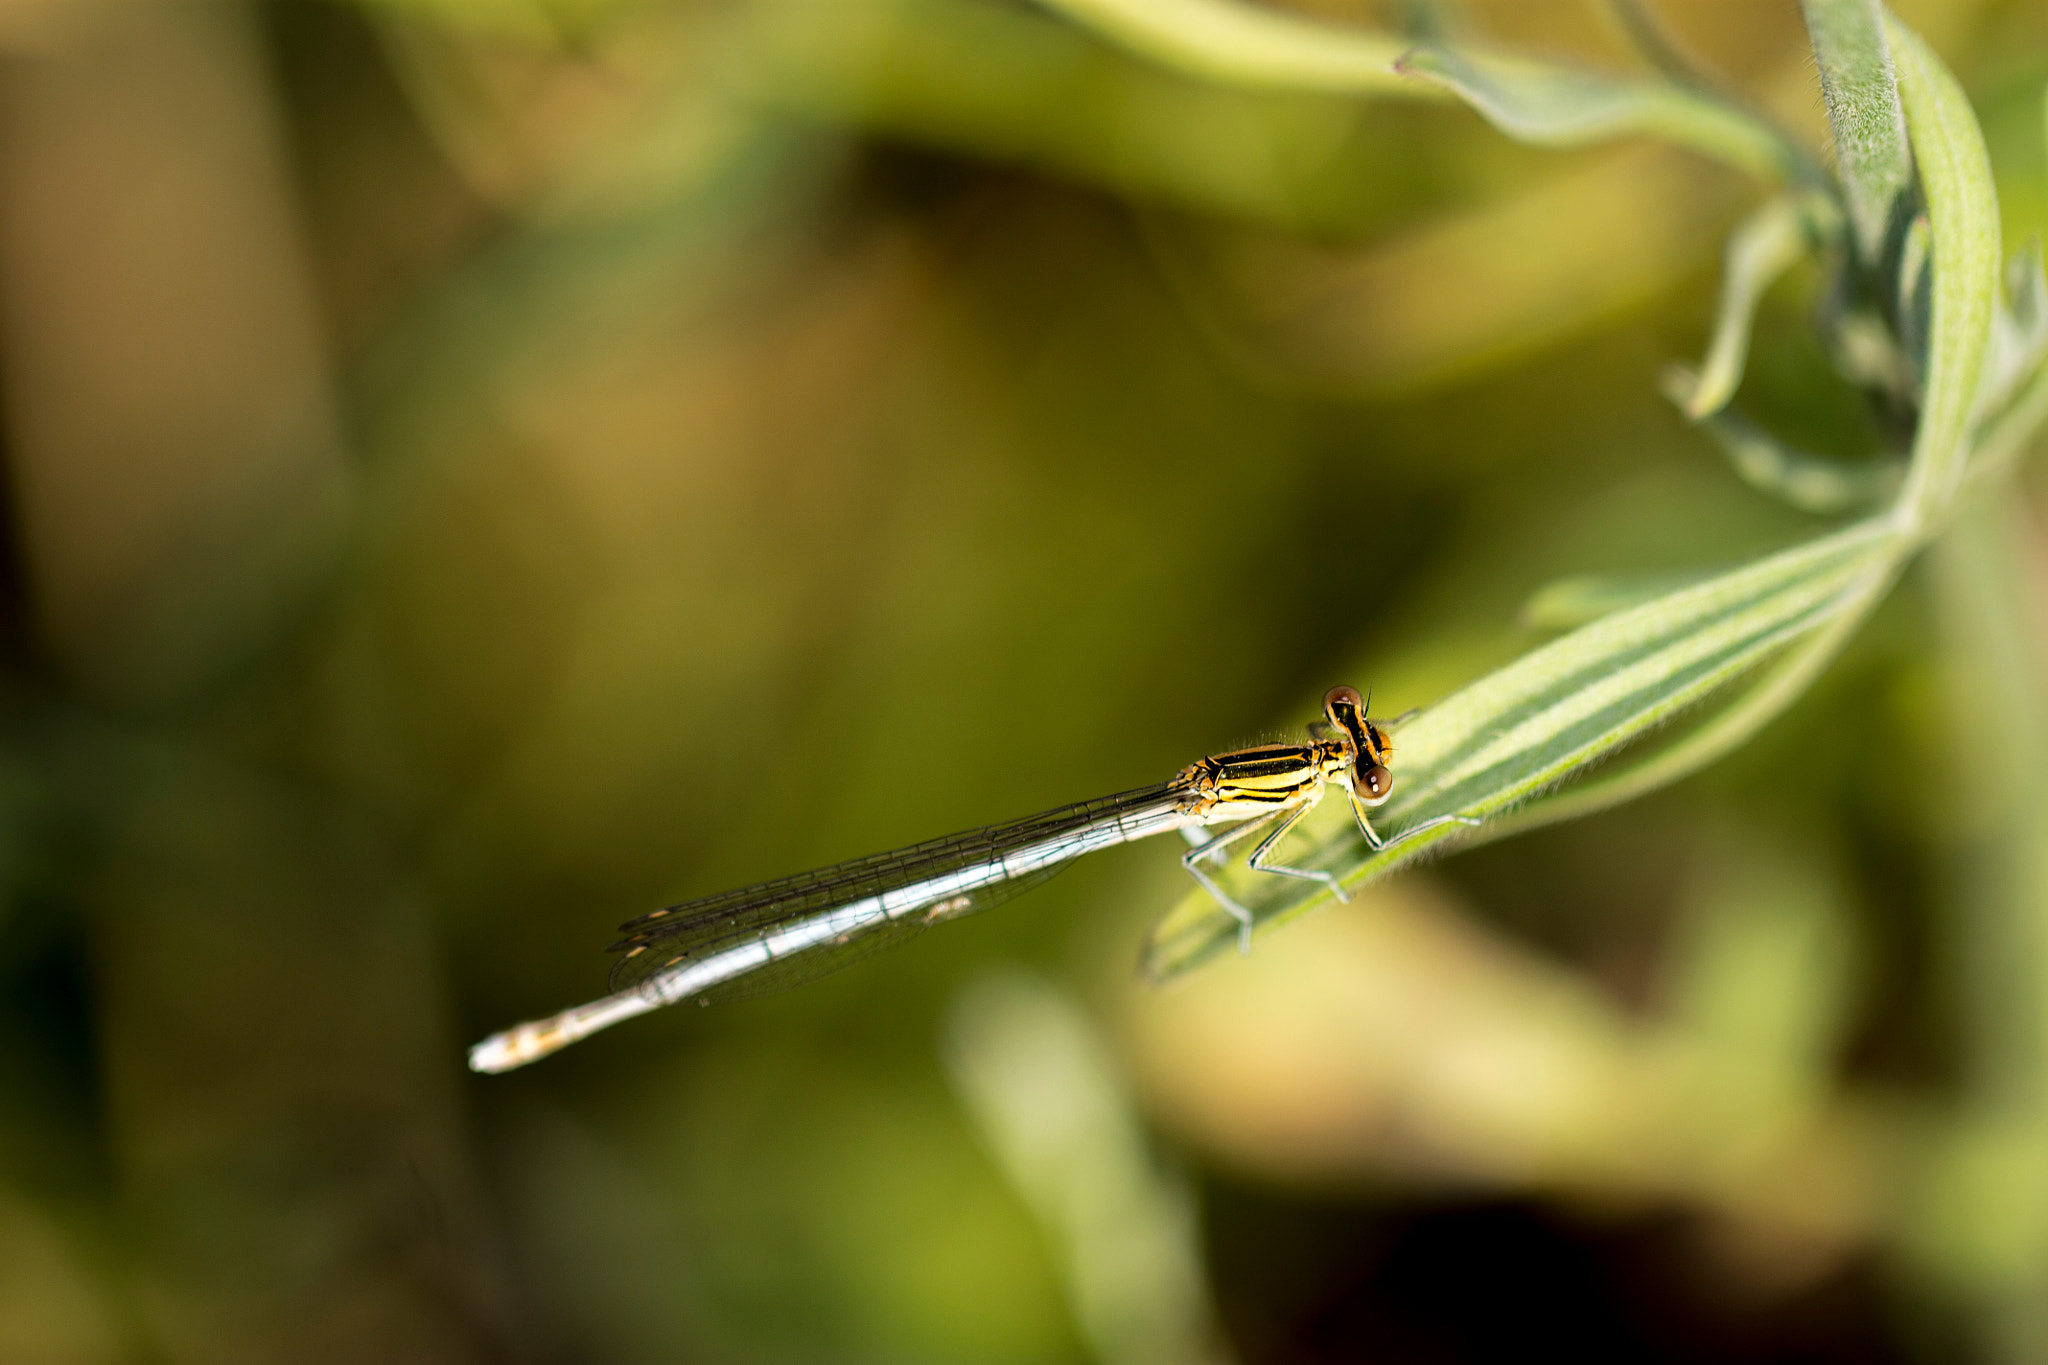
779	932
1271	775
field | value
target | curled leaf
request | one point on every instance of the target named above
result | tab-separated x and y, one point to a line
1866	353
1753	638
1811	483
1559	107
1645	30
2019	330
1764	246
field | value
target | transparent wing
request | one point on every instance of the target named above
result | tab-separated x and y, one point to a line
668	938
799	969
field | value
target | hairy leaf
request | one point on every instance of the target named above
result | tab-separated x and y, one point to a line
1856	80
1568	603
1962	213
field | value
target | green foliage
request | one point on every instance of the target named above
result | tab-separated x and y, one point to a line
1775	237
1812	483
1238	44
1515	734
1500	746
1872	162
1552	107
492	468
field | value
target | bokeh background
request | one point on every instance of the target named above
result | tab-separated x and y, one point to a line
480	469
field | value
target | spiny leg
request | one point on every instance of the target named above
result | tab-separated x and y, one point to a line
1192	859
1379	845
1257	862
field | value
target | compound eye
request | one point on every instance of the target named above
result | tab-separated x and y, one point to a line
1339	702
1375	782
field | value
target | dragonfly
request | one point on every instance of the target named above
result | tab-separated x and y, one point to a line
795	929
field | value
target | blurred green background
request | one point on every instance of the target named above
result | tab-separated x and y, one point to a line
481	469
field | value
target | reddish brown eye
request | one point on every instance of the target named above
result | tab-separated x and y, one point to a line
1346	710
1375	781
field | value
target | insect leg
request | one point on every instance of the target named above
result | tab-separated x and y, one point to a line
1379	845
1372	838
1192	861
1257	862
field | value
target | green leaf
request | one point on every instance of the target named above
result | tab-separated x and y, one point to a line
2006	436
1764	246
1238	44
1556	107
1810	483
1509	736
1248	45
1856	79
1867	352
1045	1092
1755	637
2019	330
1759	702
1962	214
1652	38
1018	84
1913	304
1568	603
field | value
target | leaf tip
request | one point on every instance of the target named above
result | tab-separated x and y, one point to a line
1680	384
1416	63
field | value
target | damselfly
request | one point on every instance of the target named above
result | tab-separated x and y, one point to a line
795	929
